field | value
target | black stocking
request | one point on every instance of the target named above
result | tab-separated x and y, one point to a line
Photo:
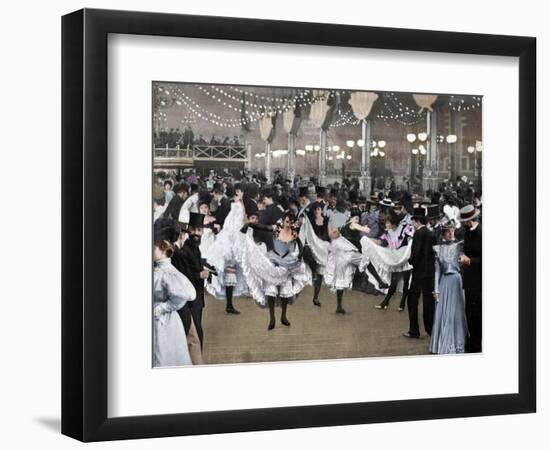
229	297
339	298
284	304
374	273
271	304
317	289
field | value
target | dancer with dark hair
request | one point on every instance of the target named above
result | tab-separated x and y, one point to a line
344	257
275	275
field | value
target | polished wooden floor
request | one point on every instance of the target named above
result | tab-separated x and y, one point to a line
315	332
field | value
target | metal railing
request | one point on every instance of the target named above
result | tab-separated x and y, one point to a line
203	152
173	153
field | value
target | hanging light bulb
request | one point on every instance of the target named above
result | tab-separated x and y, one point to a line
414	151
422	136
411	137
381	144
360	143
350	144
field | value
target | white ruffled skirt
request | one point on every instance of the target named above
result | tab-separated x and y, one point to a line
342	262
266	279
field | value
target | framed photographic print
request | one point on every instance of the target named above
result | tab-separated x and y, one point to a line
276	225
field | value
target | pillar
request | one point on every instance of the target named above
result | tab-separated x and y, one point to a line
365	178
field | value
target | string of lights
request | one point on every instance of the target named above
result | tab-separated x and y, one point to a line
460	103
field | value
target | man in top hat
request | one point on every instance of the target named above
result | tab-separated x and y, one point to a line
305	203
267	218
423	261
471	274
188	260
223	205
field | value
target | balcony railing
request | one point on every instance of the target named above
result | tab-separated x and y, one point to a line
203	152
173	153
231	152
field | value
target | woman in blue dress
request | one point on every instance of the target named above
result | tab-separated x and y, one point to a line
449	329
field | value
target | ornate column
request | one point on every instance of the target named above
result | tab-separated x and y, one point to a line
318	115
268	162
433	151
267	132
361	104
248	156
291	123
323	158
365	182
425	102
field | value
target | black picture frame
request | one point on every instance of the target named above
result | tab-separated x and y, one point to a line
84	224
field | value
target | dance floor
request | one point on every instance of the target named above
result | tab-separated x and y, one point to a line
315	333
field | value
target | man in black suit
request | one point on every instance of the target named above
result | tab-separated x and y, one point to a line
188	260
423	261
268	217
471	275
223	205
174	207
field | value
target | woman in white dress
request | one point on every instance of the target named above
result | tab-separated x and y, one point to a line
171	290
344	257
225	255
278	275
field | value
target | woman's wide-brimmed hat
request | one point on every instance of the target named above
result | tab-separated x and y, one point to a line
468	212
446	223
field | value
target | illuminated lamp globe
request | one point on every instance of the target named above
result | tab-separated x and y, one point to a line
360	143
381	144
411	137
348	157
382	154
350	144
316	148
336	148
451	139
309	147
414	151
422	136
471	149
422	151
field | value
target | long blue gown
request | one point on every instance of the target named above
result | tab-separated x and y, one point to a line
449	329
